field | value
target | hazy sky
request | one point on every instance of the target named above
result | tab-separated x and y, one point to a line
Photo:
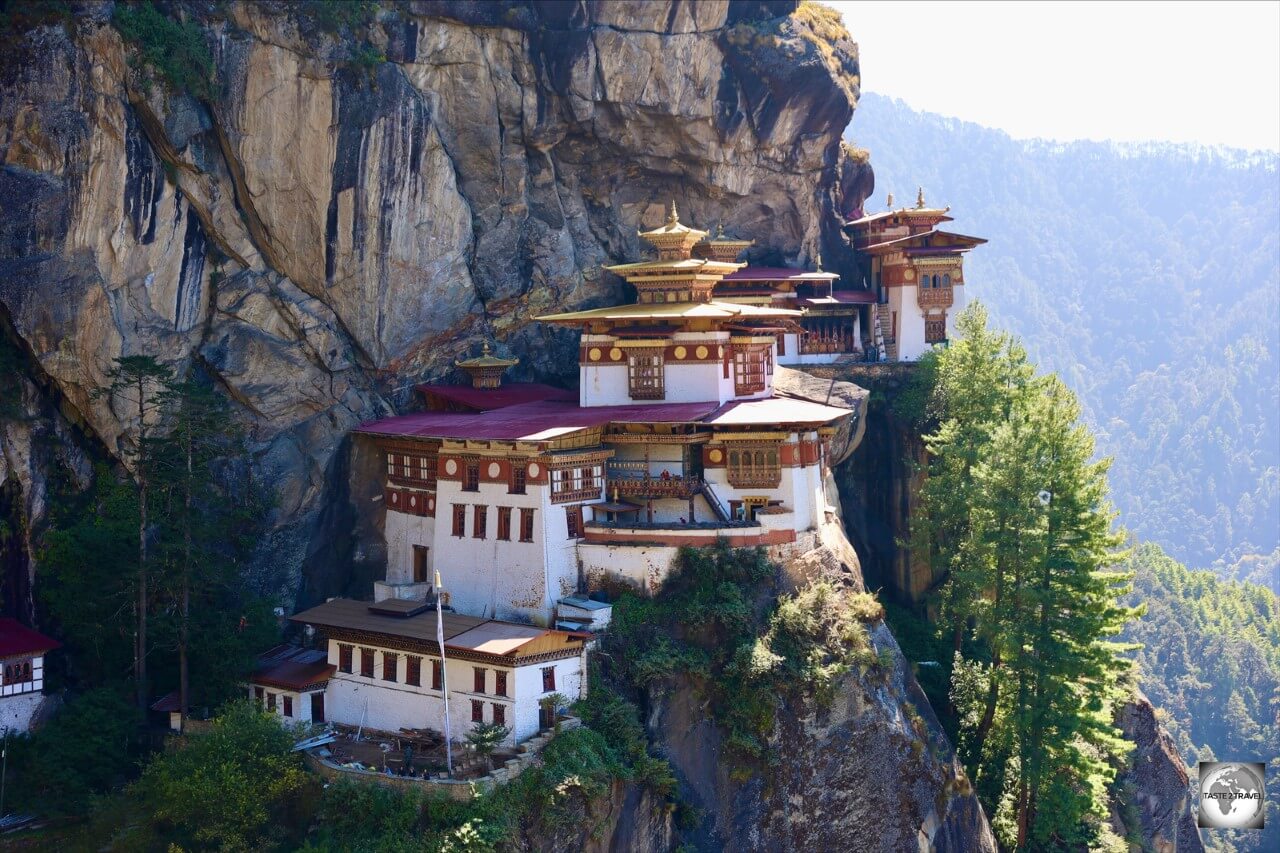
1179	71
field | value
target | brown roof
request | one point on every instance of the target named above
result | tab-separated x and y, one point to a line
465	634
292	668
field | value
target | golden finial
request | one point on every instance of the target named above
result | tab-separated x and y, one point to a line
889	201
817	259
920	199
720	231
484	349
673	217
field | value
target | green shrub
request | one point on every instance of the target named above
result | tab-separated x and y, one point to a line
176	50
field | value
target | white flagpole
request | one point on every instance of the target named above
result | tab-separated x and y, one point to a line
444	677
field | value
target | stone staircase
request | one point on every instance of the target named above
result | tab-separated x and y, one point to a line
884	331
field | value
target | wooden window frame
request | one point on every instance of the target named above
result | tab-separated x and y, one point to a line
750	369
479	678
367	663
518	481
750	466
504	523
548	679
480	522
286	703
646	369
459	520
573	521
526	524
500	683
271	702
413	670
437	674
499	714
346	658
19	671
471	475
390	666
935	329
477	711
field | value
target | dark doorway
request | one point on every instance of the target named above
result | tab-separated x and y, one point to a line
317	707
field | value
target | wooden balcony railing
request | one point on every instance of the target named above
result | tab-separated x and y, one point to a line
934	297
578	495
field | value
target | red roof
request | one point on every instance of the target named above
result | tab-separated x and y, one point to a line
538	421
487	399
750	273
292	668
17	639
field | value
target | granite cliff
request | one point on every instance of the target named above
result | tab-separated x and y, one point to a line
346	205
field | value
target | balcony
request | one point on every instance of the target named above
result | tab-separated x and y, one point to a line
635	480
934	297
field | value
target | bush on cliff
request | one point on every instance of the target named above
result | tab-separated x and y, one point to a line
173	49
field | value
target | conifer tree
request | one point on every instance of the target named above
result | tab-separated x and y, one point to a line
139	381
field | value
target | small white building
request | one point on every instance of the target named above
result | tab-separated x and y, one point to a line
291	681
382	670
22	652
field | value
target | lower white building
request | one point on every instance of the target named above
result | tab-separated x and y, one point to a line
22	652
383	670
291	681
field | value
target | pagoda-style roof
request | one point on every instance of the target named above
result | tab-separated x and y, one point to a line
672	232
722	248
672	311
919	212
486	369
681	265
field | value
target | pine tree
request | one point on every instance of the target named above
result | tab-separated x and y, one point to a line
139	382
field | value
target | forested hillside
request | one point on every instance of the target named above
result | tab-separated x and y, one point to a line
1147	277
1210	661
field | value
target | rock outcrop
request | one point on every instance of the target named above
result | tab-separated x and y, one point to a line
1155	788
345	211
871	770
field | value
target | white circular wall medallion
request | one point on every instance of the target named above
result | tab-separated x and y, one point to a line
395	497
534	469
413	501
909	274
494	469
450	466
431	504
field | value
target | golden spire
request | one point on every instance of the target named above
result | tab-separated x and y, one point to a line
673	217
720	231
889	201
920	199
817	260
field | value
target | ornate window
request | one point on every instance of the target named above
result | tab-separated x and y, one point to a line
344	657
935	329
526	525
548	679
644	374
437	675
471	476
478	678
754	466
750	366
390	665
477	711
926	281
946	279
459	519
417	469
499	714
18	672
573	520
366	663
413	671
481	526
518	479
501	687
504	523
576	484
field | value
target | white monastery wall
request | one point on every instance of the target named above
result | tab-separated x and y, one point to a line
403	531
18	710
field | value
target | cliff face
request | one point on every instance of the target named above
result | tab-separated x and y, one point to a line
326	229
1155	797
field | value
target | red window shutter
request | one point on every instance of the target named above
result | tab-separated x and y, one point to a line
288	706
390	663
366	663
477	711
501	687
413	671
479	679
548	679
499	714
437	675
344	658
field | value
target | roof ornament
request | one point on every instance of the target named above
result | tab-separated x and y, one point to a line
920	199
817	260
889	201
720	231
673	218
